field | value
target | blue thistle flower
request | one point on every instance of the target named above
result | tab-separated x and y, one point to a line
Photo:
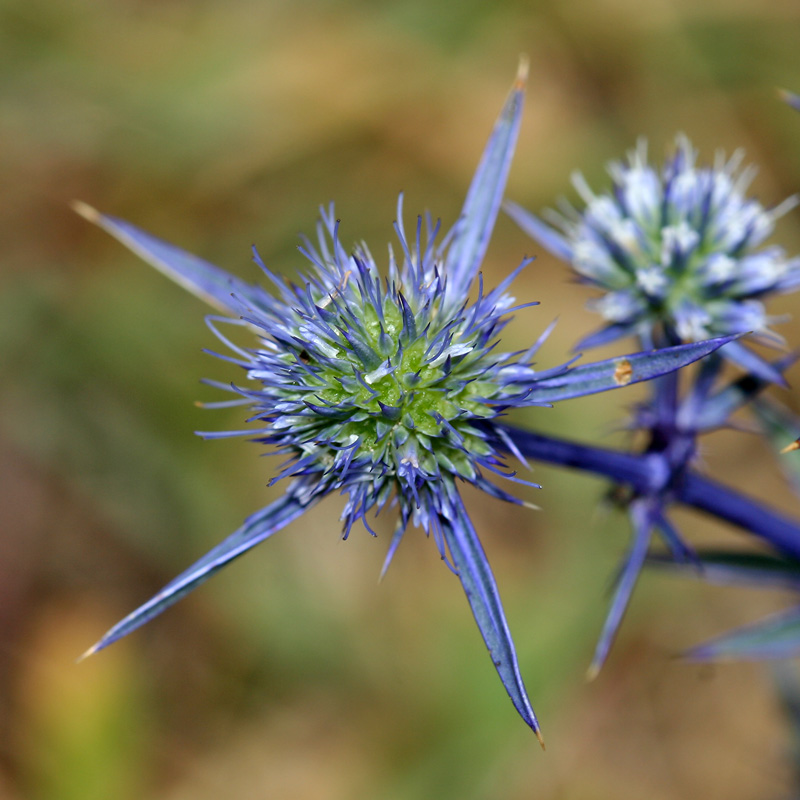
390	391
683	249
681	256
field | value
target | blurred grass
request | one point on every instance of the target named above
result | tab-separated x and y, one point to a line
292	674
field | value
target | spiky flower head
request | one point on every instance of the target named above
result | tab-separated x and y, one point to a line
383	389
682	248
390	390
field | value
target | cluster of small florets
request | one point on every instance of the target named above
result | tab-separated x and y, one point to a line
380	388
682	247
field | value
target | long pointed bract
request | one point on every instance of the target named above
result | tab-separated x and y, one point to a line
777	636
204	280
479	214
641	518
616	372
751	362
476	577
734	568
255	529
538	230
716	409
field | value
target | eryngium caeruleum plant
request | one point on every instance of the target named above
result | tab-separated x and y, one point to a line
390	390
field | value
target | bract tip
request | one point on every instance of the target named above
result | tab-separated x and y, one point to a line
522	72
86	211
90	652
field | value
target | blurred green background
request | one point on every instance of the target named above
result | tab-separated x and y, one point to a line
293	674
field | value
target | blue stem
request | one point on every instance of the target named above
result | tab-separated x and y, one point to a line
696	491
702	493
628	468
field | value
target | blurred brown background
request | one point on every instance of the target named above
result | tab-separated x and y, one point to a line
292	674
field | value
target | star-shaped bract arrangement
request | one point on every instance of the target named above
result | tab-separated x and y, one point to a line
390	391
